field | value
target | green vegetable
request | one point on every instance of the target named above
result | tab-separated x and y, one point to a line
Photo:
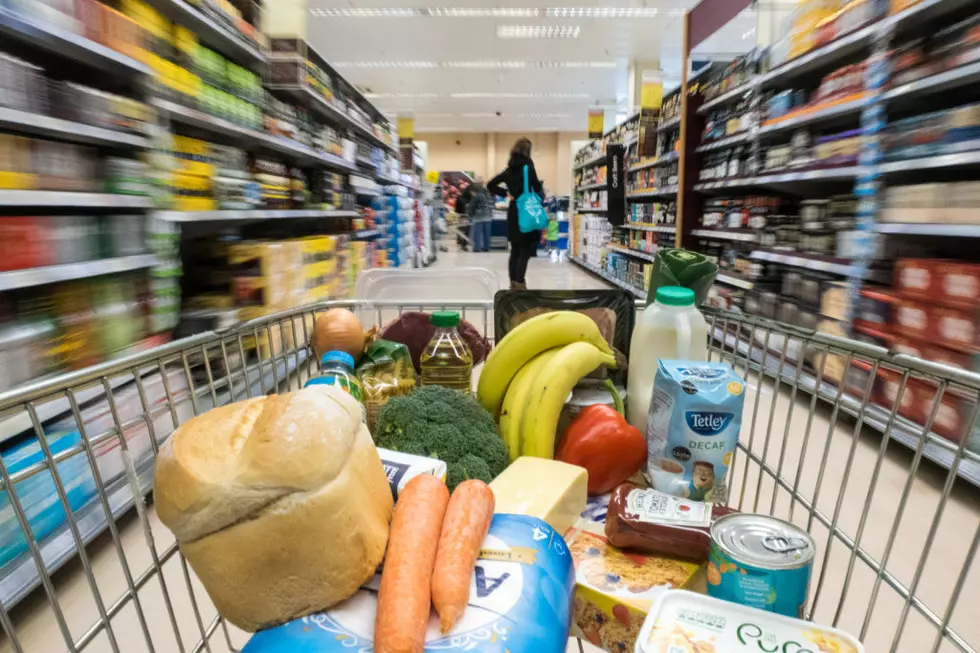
446	424
680	267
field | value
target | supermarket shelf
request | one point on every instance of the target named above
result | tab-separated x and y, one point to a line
835	52
586	209
819	175
841	267
616	282
734	280
590	187
70	271
250	139
601	159
365	234
65	130
51	198
957	160
727	141
21	576
306	97
673	123
850	111
949	80
919	17
747	236
936	449
646	256
68	44
212	32
936	229
642	194
216	216
654	163
662	229
726	97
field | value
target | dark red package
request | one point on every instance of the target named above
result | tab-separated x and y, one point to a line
646	520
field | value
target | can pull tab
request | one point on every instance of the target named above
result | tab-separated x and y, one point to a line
780	544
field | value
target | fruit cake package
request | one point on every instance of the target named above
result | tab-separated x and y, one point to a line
520	600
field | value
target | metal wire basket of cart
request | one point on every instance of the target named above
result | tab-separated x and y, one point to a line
872	453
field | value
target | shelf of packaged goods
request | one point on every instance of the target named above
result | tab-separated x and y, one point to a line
70	271
366	191
832	266
374	139
728	96
586	209
366	162
231	215
213	32
938	162
922	17
671	123
37	124
56	198
914	229
19	577
819	175
646	256
735	280
937	449
616	282
249	139
746	236
36	33
726	141
591	187
659	228
654	163
843	111
956	78
601	159
310	99
836	52
643	194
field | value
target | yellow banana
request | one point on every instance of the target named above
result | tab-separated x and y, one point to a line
548	392
516	397
526	341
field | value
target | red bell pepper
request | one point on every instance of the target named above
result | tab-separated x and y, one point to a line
603	442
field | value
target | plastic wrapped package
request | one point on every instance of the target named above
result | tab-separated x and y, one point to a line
385	371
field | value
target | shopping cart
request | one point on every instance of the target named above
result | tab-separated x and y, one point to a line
896	519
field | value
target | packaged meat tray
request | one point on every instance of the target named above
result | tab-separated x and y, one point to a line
520	600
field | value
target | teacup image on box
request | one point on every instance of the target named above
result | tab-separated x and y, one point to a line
692	432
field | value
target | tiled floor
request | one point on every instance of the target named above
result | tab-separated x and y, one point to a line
775	428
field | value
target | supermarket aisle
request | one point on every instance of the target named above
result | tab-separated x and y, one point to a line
542	273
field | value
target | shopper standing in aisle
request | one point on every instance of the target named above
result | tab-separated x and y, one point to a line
479	207
522	245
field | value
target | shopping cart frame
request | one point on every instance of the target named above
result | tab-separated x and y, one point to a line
217	369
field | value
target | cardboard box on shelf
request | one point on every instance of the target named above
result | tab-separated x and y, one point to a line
949	327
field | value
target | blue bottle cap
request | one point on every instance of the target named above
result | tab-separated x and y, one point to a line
337	357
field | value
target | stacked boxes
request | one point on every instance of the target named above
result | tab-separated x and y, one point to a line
193	175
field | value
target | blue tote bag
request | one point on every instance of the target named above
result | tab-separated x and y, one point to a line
531	215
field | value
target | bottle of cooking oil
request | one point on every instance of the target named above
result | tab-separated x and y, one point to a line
447	360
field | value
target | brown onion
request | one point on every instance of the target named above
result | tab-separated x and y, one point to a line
339	330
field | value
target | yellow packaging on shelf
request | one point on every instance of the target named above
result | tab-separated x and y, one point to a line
146	17
194	203
185	41
17	181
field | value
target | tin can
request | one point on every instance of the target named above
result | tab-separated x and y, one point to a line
761	562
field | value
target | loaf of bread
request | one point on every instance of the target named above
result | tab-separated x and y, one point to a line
280	503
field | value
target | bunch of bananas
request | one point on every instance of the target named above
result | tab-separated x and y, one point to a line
528	375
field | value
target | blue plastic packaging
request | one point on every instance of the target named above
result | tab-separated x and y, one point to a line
520	600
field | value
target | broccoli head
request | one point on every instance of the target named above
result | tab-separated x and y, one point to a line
446	424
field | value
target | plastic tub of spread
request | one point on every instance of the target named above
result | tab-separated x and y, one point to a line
685	621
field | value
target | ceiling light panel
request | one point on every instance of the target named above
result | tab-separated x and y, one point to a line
538	31
492	12
475	65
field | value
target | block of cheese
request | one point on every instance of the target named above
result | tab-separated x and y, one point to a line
547	489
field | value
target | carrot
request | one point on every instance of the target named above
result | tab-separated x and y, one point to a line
466	524
404	598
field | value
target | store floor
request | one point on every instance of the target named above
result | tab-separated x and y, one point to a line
848	490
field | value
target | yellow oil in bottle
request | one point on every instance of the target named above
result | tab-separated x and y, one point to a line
447	360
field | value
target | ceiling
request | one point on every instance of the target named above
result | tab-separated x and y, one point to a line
454	70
